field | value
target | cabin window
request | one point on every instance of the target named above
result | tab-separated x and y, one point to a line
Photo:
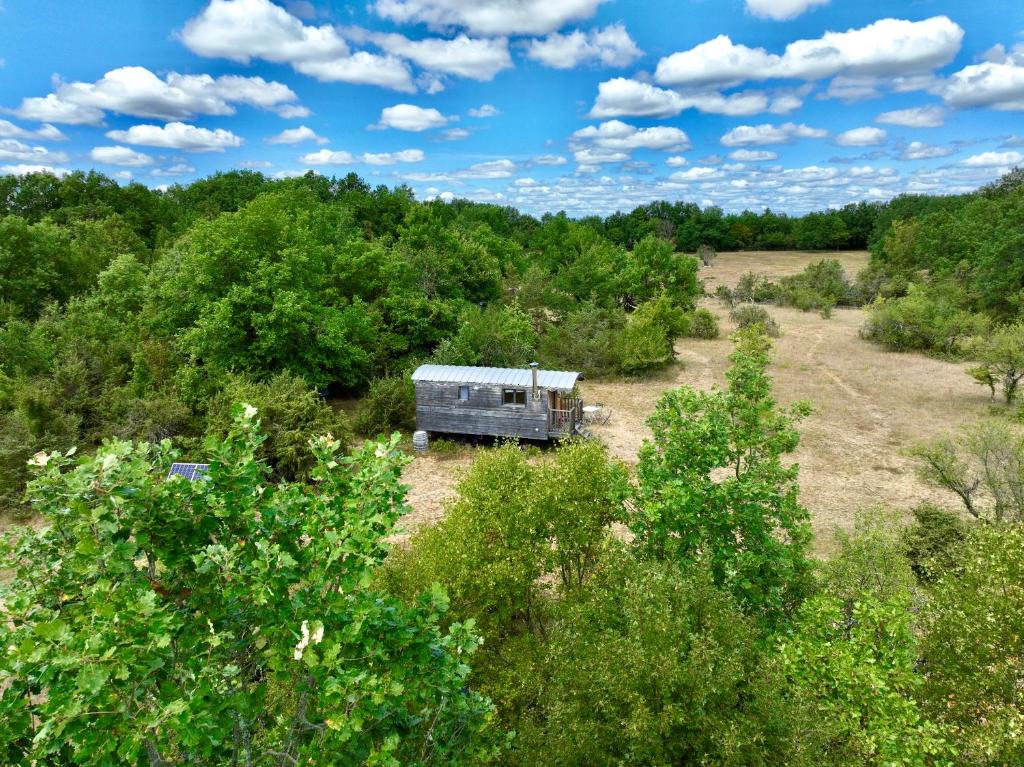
513	397
464	393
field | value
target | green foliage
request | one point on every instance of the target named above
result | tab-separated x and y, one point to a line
511	523
931	542
497	336
646	665
1000	355
226	620
289	412
585	340
970	651
643	345
983	466
925	319
751	316
703	324
390	404
713	487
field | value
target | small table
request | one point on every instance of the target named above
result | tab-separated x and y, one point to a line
591	413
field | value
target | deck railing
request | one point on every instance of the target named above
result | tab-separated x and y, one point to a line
564	420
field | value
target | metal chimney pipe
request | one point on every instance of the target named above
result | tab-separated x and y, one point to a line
533	371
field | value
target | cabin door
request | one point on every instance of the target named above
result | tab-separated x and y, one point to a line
561	412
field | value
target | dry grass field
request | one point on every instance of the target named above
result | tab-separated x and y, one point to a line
870	406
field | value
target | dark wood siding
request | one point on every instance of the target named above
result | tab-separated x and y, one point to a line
439	409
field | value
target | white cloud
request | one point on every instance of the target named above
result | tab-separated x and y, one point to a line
492	169
915	117
993	159
178	169
296	136
753	155
177	135
861	137
696	174
51	109
328	157
996	84
760	135
454	134
473	58
243	30
617	135
286	174
610	46
390	158
254	164
120	155
622	96
550	159
411	118
12	149
527	181
676	161
484	110
341	157
22	170
780	10
138	92
918	150
886	47
489	17
45	132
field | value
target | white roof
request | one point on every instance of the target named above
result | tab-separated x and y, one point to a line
547	379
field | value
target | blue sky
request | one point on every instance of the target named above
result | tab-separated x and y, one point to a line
587	106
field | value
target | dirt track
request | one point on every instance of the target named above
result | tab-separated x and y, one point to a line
871	406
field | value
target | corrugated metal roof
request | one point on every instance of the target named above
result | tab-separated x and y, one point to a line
547	379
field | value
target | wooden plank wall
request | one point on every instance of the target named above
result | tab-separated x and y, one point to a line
439	409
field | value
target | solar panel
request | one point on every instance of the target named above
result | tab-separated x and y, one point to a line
190	471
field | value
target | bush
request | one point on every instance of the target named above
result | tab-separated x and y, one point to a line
642	346
748	315
930	543
923	320
703	324
390	404
706	254
290	414
584	340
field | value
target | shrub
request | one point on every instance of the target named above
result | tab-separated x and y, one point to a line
703	324
642	346
706	254
1001	358
930	543
584	340
923	320
390	404
749	315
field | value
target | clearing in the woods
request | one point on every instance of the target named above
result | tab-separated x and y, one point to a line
870	406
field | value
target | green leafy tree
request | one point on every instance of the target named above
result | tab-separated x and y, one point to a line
226	620
713	488
1001	359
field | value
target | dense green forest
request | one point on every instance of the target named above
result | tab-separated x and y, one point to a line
261	617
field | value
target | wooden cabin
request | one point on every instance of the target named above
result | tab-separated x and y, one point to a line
527	403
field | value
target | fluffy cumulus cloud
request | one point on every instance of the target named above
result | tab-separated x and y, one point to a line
914	117
993	159
997	82
550	159
886	47
296	136
138	92
489	17
610	46
410	117
243	30
918	150
120	155
615	134
622	96
473	58
753	155
12	149
178	135
24	169
329	157
484	110
767	133
45	132
861	137
780	10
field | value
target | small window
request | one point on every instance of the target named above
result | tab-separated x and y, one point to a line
513	397
464	393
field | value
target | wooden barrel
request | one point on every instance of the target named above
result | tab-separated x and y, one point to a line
419	441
